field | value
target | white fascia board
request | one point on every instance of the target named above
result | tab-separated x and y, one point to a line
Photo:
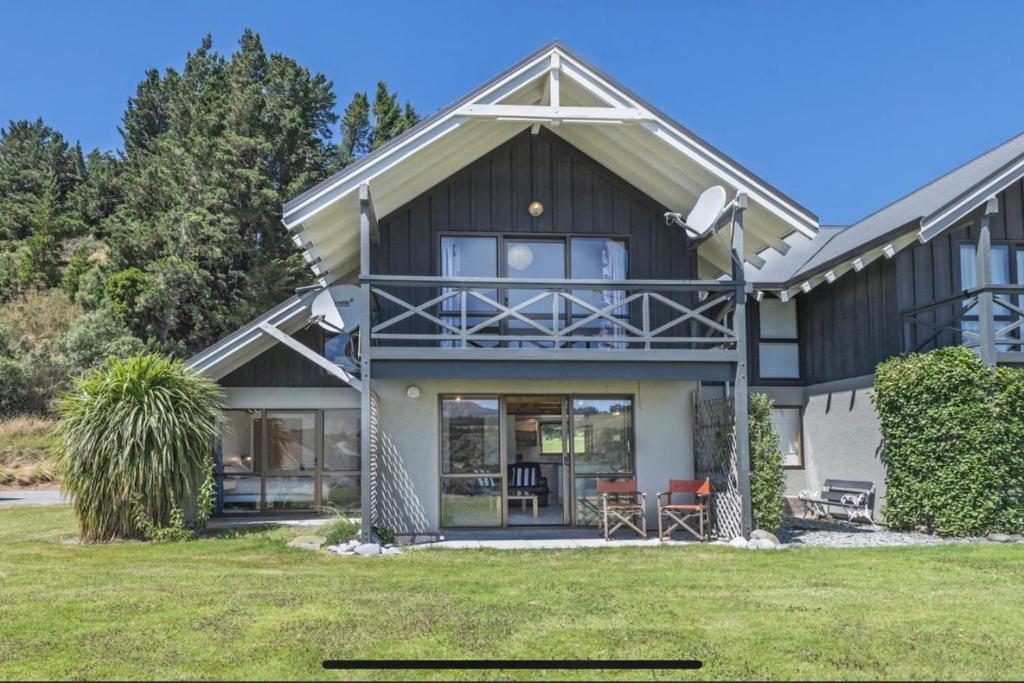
798	218
238	342
951	214
522	77
791	215
364	174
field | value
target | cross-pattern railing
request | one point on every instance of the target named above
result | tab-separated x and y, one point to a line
956	319
535	313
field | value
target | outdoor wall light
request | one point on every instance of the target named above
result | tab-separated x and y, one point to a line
413	391
520	257
535	208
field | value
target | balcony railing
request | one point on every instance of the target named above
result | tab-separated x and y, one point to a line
527	313
958	319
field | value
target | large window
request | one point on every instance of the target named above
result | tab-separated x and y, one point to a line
788	424
271	459
471	477
552	258
778	350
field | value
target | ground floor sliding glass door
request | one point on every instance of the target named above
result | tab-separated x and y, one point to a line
530	460
271	460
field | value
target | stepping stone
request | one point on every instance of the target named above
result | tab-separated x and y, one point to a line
308	542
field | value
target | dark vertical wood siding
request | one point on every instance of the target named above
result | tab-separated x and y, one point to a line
279	366
845	328
848	327
491	195
932	270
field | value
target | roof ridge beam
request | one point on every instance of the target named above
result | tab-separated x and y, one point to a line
540	112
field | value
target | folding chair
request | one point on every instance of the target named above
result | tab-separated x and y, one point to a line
680	515
621	505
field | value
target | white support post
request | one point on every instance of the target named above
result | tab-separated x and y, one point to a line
554	92
367	227
740	393
986	318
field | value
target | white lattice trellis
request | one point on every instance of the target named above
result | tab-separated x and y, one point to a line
714	437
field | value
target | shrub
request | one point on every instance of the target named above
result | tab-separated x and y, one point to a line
93	338
767	478
134	443
953	442
340	530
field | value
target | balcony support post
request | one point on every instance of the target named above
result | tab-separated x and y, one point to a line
367	226
986	316
740	391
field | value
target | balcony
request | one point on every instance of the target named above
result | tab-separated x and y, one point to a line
436	318
987	319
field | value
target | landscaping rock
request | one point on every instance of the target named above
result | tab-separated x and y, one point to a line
1000	538
761	544
368	549
391	550
760	533
308	542
738	542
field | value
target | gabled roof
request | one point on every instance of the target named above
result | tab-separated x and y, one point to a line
915	217
555	88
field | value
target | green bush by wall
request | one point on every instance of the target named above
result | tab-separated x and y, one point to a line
953	433
767	478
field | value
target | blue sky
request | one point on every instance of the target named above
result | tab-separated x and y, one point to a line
844	106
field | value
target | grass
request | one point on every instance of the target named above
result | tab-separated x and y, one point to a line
25	451
243	605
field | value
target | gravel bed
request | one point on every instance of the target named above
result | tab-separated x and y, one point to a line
838	534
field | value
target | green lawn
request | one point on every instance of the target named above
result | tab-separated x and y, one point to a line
247	607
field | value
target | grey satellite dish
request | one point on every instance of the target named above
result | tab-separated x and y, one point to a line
338	309
705	213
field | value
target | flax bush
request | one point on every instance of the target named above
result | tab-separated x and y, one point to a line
953	434
134	446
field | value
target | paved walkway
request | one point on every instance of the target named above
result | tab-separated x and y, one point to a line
538	539
13	497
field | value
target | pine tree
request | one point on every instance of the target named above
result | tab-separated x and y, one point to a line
355	130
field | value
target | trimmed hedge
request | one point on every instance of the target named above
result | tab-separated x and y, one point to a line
953	434
767	478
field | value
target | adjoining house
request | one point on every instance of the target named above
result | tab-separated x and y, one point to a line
524	309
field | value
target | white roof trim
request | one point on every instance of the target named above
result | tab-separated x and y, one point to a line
551	69
957	210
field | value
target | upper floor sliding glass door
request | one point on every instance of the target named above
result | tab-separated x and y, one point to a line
546	258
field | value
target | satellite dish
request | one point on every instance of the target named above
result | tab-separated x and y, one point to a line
338	309
704	215
705	212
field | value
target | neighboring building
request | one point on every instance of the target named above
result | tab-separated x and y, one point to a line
529	322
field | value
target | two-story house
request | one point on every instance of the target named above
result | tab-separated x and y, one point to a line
522	315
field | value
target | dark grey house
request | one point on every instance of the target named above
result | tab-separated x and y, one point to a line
516	308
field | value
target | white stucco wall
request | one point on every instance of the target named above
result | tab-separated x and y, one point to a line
842	438
663	423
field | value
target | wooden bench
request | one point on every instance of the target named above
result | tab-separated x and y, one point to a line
856	499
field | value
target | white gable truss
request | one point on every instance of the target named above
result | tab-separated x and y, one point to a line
558	90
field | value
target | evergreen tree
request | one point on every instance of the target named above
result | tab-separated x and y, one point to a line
234	138
355	130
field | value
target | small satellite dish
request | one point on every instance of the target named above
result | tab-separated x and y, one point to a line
338	309
704	214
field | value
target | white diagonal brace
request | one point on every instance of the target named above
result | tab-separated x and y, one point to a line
311	355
